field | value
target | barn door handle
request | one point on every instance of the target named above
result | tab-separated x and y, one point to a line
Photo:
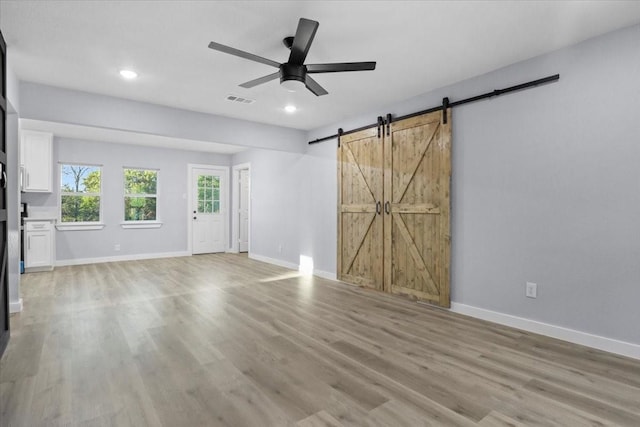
378	207
387	207
4	179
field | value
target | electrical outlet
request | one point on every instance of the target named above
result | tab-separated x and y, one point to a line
531	290
116	247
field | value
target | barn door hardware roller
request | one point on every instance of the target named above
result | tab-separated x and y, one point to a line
445	105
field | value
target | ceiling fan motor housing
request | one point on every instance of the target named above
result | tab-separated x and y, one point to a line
292	72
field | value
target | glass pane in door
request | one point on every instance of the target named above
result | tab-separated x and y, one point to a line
208	194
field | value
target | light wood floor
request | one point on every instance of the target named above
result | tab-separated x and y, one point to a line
223	340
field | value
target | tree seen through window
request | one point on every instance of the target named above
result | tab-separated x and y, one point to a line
80	193
140	194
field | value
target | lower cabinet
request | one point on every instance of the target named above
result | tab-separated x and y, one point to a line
39	246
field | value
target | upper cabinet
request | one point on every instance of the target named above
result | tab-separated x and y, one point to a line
36	161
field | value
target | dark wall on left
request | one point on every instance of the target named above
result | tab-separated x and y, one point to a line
4	273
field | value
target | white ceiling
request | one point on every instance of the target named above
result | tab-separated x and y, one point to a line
419	46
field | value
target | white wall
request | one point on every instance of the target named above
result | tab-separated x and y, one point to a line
47	103
51	104
276	179
546	188
318	207
172	199
13	88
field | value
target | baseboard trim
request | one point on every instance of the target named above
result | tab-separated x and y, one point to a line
135	257
577	337
15	307
292	266
274	261
326	275
38	269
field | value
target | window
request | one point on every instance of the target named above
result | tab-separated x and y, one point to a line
208	194
80	193
140	195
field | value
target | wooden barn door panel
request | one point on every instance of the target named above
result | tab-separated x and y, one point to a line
360	221
417	185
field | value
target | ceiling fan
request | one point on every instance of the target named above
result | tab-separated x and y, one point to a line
295	73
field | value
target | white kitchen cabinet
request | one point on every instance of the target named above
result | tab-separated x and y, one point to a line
36	161
39	245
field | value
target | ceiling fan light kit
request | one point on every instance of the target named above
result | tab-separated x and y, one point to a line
292	85
292	76
294	72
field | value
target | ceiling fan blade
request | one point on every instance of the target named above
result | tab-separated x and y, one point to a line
340	67
261	80
302	40
314	87
242	54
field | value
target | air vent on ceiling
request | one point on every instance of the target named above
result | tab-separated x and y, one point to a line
241	100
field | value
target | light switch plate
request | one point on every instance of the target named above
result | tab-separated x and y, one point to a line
531	290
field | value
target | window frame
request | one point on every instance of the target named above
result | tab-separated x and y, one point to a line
80	225
145	223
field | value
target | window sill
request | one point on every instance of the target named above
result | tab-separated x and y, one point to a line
141	224
80	227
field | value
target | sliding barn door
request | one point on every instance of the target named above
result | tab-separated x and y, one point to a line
394	208
417	208
360	220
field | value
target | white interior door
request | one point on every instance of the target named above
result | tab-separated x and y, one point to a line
243	211
208	207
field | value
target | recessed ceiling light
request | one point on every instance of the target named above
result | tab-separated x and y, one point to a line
290	108
128	74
